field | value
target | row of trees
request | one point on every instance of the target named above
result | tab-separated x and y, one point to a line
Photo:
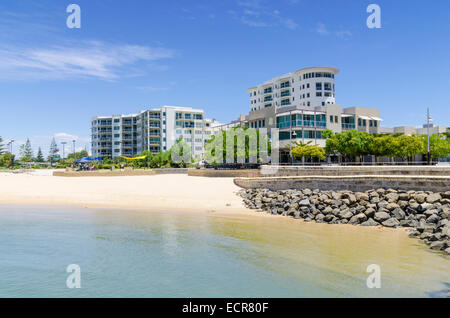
26	154
352	145
163	159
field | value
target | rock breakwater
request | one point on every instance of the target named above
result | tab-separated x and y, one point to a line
425	214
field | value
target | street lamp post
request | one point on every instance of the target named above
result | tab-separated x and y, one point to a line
73	141
11	145
290	137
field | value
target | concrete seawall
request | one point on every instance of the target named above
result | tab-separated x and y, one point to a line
353	183
212	173
281	171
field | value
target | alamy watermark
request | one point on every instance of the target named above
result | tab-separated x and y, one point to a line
374	279
74	279
374	19
74	19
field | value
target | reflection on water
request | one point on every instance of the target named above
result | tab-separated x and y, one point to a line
156	254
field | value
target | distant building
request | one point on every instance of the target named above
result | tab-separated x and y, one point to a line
154	130
409	130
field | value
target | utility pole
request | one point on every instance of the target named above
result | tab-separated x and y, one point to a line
73	141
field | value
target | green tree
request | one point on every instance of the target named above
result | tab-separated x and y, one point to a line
408	146
39	156
439	146
383	145
351	144
26	152
302	150
54	151
7	160
78	155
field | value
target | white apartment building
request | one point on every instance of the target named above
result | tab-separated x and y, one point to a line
154	130
302	104
309	87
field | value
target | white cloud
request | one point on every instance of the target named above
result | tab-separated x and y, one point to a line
256	14
322	30
91	59
152	88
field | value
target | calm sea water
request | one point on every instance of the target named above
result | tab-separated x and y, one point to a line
157	254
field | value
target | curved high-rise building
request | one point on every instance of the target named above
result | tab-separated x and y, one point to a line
308	87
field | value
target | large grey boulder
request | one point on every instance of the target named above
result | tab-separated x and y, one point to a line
398	213
420	197
392	197
392	222
370	222
437	245
381	216
434	197
370	212
346	214
434	218
304	202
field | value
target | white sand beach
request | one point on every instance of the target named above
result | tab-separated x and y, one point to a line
158	192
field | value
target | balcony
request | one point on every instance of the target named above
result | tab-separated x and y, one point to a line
348	126
285	93
321	124
268	99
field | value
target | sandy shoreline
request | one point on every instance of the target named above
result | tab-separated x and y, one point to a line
160	192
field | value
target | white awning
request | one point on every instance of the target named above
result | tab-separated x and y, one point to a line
377	118
346	115
365	117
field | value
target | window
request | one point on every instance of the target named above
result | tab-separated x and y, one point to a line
116	135
319	86
285	84
116	128
117	120
331	119
318	94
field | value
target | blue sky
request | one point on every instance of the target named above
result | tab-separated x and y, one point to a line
137	54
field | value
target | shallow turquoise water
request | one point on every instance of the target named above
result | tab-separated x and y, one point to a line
156	254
